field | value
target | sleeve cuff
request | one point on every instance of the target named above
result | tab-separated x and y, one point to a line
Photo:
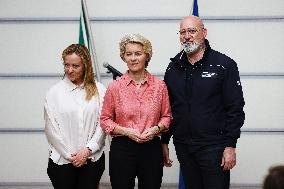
109	128
165	123
94	147
231	143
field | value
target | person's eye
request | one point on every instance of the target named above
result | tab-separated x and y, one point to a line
76	66
182	32
192	31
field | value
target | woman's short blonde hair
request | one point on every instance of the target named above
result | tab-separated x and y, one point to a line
139	39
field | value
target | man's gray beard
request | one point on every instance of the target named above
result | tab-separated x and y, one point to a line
190	47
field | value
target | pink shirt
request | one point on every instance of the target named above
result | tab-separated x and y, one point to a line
140	108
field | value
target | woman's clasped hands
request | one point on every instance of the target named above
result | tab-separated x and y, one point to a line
147	135
80	158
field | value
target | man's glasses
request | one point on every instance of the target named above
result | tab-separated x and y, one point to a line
191	31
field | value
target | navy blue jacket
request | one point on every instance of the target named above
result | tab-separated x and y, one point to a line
206	100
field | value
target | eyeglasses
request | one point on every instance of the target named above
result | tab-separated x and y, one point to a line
191	31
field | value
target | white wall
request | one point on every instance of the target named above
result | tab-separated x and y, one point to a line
33	34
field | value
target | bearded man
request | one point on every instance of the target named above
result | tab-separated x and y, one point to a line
207	105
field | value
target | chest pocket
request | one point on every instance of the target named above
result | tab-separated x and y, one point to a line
210	82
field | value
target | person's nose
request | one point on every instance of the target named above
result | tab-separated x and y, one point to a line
133	57
70	69
187	35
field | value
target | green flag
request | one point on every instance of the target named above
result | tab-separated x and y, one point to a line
83	30
85	36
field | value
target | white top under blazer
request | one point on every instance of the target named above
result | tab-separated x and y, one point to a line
71	122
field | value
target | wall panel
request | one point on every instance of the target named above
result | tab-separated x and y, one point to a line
126	8
37	47
24	98
255	154
264	103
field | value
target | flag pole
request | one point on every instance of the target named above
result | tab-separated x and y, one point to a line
91	41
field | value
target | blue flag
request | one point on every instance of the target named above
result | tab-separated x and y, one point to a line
181	179
195	8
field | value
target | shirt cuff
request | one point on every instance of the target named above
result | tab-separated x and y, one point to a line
109	128
231	143
165	123
94	147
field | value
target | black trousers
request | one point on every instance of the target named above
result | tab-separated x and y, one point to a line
128	159
68	176
202	169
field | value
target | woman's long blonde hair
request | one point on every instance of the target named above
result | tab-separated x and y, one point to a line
84	54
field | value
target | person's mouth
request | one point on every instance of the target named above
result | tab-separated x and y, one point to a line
134	64
188	42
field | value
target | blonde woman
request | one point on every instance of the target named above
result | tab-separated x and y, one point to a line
136	110
72	110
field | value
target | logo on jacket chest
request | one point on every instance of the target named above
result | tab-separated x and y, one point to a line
209	74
